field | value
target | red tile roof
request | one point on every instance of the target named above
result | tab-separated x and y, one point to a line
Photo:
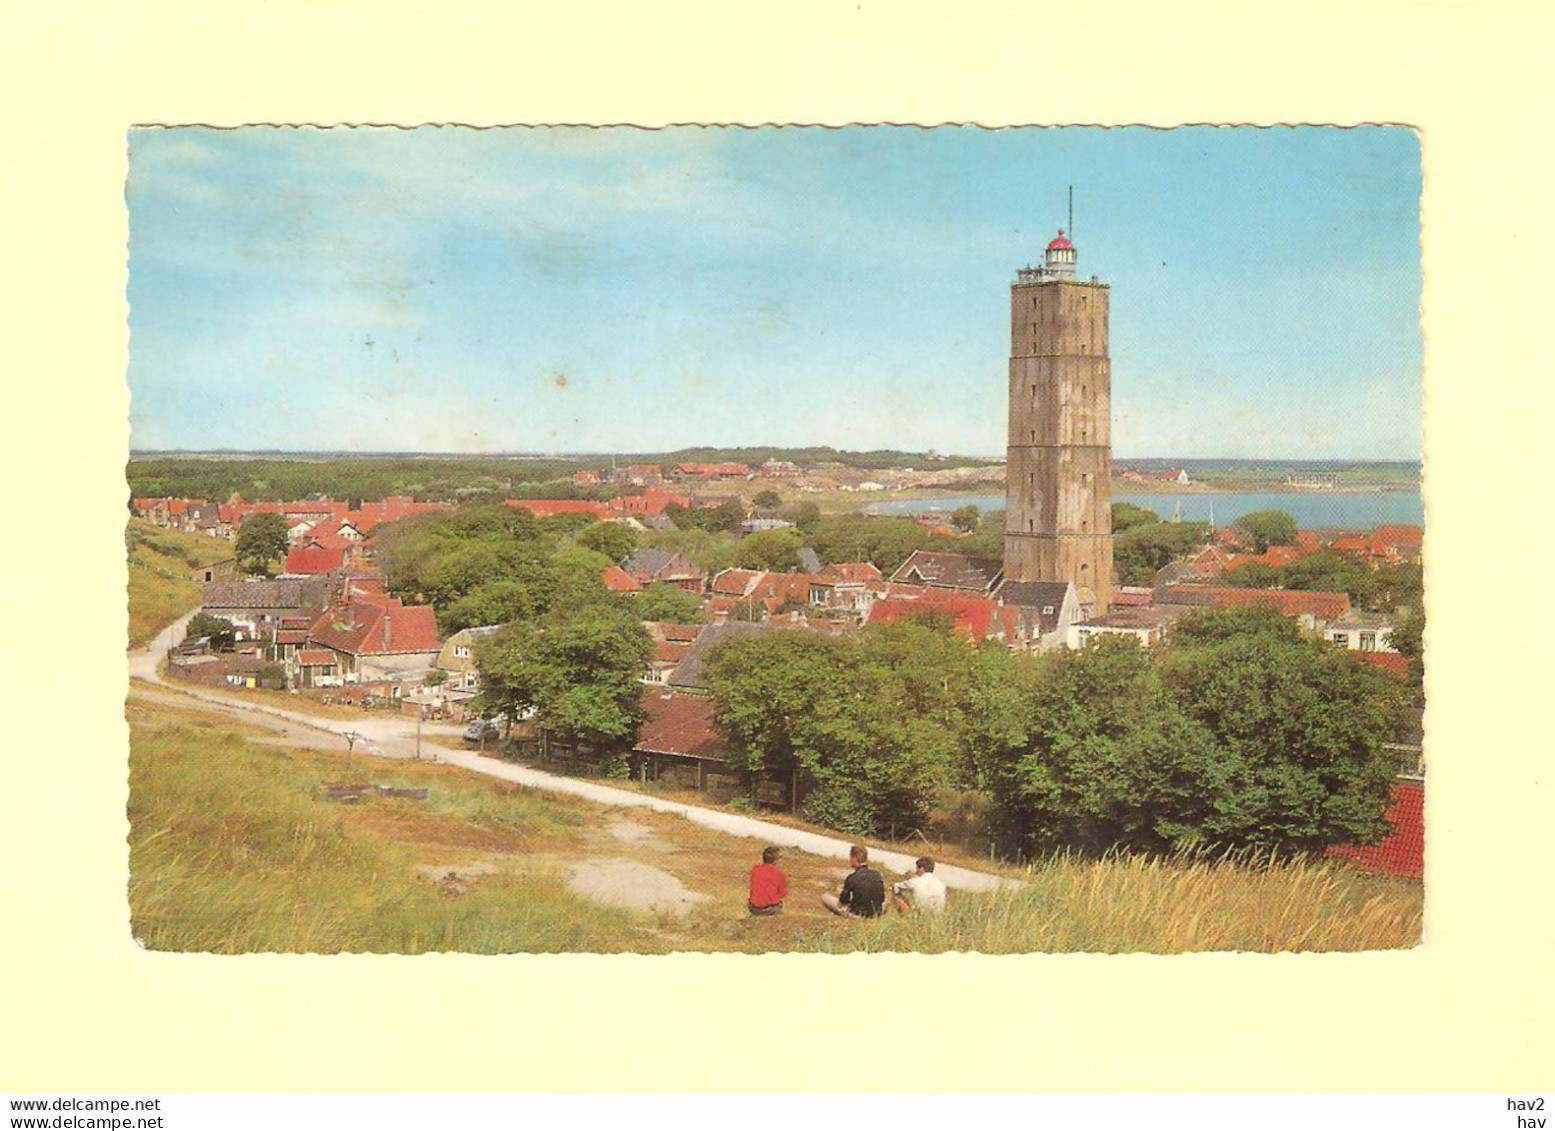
1132	598
617	580
736	582
318	560
377	629
315	657
670	651
1402	852
650	502
669	630
680	724
1402	537
853	571
974	616
1390	662
546	508
1287	602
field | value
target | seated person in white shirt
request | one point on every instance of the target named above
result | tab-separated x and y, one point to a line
922	891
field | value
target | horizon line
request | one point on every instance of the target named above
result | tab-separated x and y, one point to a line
590	454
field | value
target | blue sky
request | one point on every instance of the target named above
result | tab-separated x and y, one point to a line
633	290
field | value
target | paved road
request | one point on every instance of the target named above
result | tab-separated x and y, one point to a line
393	736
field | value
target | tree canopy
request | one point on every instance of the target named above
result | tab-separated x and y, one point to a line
1267	528
578	670
1144	548
262	542
667	603
218	632
484	564
1126	515
869	723
769	549
615	540
1237	733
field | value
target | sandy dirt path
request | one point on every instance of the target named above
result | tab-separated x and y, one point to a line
394	737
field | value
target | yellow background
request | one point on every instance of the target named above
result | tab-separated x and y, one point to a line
83	1010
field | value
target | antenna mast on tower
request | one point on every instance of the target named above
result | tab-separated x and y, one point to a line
1071	213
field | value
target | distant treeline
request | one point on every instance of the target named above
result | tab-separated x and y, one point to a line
451	477
807	457
441	479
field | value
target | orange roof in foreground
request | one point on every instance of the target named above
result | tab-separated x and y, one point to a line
680	724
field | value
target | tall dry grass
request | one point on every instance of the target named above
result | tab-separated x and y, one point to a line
232	850
161	587
1127	904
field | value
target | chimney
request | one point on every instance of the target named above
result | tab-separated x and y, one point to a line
388	622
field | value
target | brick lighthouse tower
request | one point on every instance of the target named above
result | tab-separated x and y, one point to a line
1058	497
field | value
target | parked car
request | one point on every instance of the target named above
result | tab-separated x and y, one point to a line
488	729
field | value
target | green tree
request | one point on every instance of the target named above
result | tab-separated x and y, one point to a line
1267	528
1126	515
1298	725
870	724
805	516
667	603
886	542
726	516
577	670
218	631
768	500
770	550
615	540
708	552
1408	639
262	541
1141	550
965	518
1238	733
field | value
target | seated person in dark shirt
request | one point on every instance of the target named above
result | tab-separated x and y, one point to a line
768	887
863	892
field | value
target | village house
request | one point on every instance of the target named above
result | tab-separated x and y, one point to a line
679	743
651	502
224	570
1044	612
709	472
1313	611
617	580
1146	625
256	608
313	561
974	618
664	567
377	640
1361	631
457	658
671	645
940	569
690	675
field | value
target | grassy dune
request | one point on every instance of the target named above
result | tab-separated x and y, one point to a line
233	848
161	588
